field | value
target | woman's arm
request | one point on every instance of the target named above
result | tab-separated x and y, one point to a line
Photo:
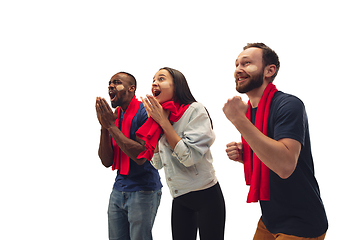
161	116
197	132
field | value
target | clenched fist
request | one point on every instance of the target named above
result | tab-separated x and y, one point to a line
233	107
234	151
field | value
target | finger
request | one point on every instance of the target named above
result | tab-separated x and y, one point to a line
233	153
98	99
99	105
99	111
146	105
149	100
153	101
96	102
106	105
234	157
231	144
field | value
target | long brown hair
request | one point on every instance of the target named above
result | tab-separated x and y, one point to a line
182	90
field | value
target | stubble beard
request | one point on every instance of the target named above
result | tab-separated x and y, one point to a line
251	83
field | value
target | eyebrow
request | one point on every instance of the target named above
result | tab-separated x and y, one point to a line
119	80
160	75
244	57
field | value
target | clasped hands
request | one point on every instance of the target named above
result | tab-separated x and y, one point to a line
104	113
107	117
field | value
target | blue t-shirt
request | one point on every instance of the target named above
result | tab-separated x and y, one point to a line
141	177
295	205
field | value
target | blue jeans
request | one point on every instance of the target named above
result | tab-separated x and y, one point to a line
131	215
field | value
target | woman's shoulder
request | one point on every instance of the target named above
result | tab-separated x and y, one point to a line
196	109
197	105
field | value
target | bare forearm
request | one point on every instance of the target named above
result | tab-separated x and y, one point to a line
280	156
130	147
105	151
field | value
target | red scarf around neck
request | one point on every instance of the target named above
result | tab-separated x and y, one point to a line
151	130
125	129
257	174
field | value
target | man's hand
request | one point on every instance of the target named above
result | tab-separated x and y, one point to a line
104	113
235	107
234	151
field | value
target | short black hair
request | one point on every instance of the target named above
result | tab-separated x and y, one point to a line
131	77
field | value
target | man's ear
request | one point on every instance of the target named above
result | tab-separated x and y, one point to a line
132	88
269	71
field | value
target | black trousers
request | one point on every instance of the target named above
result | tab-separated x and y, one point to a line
203	210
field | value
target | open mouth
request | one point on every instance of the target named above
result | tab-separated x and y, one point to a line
242	78
156	93
112	96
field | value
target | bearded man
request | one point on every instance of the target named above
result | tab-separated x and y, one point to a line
275	150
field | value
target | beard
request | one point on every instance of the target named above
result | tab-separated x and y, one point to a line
251	83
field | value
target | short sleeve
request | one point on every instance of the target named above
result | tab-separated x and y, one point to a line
290	119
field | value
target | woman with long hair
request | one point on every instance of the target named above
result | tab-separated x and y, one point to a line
178	136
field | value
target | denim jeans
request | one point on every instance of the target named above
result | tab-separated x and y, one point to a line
131	215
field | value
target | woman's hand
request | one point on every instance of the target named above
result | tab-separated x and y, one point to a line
155	110
161	116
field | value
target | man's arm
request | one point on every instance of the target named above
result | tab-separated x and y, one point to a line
130	147
105	152
280	156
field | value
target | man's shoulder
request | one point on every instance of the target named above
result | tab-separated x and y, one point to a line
141	113
282	99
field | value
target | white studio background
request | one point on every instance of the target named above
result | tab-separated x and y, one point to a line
57	56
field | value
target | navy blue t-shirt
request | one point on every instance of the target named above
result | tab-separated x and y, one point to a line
141	177
295	205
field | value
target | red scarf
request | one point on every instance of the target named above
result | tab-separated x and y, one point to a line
257	174
151	130
125	129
